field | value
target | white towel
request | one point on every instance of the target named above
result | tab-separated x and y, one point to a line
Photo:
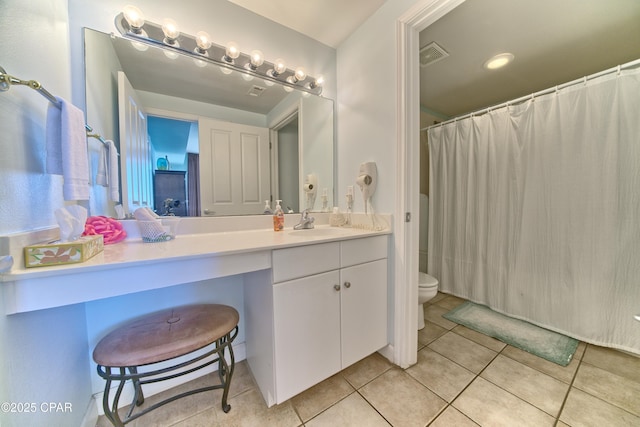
114	174
107	175
102	178
67	149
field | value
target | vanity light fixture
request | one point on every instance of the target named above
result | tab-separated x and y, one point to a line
498	61
132	25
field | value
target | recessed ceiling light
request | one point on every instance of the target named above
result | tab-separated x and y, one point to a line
498	61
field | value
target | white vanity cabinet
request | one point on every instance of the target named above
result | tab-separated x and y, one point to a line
329	310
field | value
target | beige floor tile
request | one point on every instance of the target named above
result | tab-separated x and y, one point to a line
464	352
614	361
402	400
321	396
433	313
562	373
449	302
489	405
207	418
609	387
429	333
482	339
366	370
451	417
351	411
437	298
582	409
541	390
248	409
442	376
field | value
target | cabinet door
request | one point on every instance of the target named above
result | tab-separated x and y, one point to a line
307	332
363	310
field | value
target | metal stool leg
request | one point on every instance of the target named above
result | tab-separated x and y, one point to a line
139	396
225	371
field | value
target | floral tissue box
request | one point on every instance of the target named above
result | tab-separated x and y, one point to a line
57	253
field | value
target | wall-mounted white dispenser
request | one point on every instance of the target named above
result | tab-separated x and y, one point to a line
367	181
310	188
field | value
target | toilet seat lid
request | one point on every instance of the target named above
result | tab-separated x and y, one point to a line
426	281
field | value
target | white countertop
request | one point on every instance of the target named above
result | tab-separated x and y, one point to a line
125	267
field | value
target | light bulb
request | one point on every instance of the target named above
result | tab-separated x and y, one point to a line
279	66
203	41
300	74
257	58
134	18
319	81
232	52
170	30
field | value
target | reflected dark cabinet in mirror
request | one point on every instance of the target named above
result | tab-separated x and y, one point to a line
170	185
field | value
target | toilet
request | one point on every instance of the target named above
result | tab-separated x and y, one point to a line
427	289
427	285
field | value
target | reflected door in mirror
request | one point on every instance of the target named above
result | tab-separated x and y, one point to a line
135	151
234	168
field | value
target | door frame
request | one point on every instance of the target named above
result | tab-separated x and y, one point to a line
408	27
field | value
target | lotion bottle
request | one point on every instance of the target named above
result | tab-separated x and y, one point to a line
278	217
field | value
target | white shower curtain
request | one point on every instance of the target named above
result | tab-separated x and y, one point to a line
535	209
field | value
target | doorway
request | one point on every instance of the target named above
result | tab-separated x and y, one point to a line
173	142
285	163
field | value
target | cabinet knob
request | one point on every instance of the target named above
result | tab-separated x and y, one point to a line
336	287
347	285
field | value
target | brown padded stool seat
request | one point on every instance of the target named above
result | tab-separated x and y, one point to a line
166	334
159	337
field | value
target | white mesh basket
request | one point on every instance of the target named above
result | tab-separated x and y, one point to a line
154	231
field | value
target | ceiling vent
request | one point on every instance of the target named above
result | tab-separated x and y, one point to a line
256	90
432	53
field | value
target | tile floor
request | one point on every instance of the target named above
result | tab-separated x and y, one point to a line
462	378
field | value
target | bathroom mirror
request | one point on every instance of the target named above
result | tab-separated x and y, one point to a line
185	99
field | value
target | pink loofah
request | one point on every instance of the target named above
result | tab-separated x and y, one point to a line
110	229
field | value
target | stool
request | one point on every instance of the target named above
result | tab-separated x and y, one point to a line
161	336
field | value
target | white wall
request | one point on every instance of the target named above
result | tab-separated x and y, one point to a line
43	356
367	104
35	45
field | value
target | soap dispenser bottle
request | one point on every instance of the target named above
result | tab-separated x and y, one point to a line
278	217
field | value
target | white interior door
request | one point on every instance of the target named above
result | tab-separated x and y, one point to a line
234	168
136	164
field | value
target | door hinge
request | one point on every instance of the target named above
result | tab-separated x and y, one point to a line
407	217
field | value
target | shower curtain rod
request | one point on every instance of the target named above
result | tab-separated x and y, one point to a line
7	80
583	80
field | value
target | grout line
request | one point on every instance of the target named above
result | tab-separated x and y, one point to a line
566	396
